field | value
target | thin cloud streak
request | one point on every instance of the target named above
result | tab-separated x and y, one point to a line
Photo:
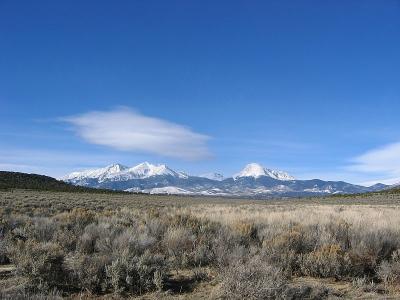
382	162
378	165
384	159
127	130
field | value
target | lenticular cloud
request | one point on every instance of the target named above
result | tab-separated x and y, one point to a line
127	130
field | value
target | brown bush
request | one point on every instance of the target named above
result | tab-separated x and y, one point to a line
76	218
247	232
328	261
178	242
292	239
389	271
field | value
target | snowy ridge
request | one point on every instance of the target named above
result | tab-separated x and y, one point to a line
145	170
213	176
169	190
118	172
97	173
160	179
256	170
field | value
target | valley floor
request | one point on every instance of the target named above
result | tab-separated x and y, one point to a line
111	246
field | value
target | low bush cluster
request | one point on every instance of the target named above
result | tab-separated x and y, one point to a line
132	252
389	270
125	252
328	261
254	279
41	262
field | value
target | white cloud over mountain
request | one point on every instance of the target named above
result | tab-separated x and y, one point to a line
383	161
127	130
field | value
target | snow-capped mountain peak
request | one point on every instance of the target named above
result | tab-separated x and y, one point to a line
251	170
213	176
160	179
117	172
97	173
256	170
146	169
115	168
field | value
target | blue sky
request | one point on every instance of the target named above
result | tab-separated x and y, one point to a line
309	87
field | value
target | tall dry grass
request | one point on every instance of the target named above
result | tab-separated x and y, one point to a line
130	246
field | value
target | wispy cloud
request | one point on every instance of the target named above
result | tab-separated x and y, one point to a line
383	162
383	159
127	130
378	165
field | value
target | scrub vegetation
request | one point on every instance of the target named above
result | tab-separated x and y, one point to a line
88	245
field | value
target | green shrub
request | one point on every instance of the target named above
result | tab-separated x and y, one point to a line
89	272
138	274
41	263
90	237
252	280
133	241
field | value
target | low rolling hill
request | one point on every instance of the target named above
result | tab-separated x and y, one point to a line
17	180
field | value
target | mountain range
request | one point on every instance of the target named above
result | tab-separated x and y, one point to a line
253	180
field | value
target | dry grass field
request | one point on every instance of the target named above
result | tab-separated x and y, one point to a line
110	246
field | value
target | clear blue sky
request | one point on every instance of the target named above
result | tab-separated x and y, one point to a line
309	87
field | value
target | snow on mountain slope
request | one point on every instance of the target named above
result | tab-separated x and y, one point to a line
183	175
145	170
256	170
117	172
170	190
213	176
160	179
96	173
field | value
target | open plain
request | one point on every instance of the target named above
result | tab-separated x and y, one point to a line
81	245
